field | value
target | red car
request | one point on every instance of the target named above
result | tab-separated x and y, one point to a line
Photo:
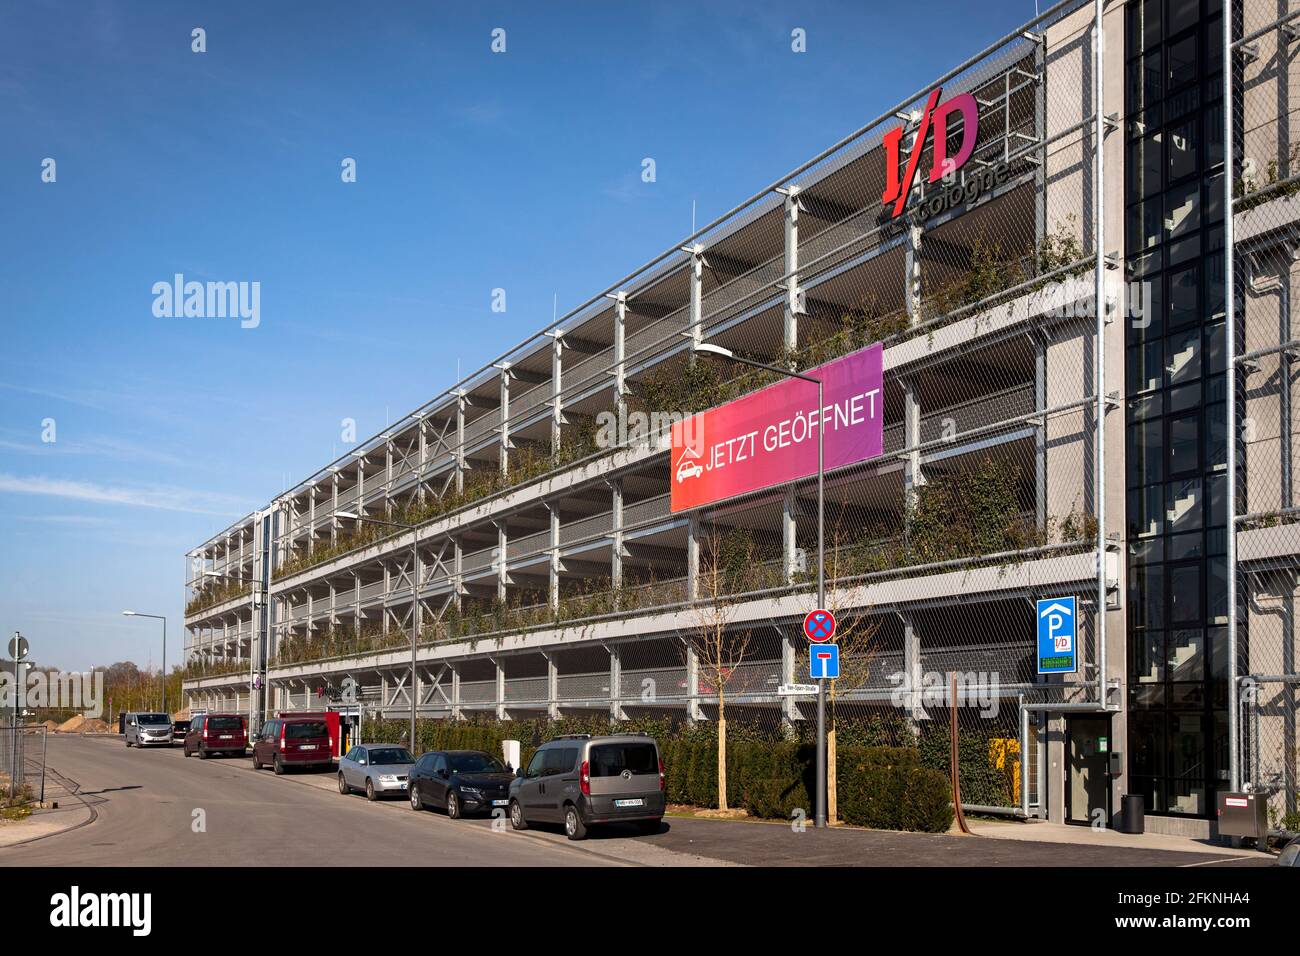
216	734
293	742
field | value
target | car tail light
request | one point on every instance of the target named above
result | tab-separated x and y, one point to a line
205	731
584	779
282	747
662	781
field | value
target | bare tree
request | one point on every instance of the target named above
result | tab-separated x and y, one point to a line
719	650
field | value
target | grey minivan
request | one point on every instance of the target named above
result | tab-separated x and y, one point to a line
581	781
148	730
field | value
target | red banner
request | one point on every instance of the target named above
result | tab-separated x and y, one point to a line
770	436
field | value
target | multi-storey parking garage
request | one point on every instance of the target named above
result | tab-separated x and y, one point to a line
521	524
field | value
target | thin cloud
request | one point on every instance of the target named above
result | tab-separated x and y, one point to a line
162	498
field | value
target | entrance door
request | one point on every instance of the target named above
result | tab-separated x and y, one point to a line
1087	783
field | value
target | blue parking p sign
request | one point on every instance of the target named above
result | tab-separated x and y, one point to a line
1058	635
824	661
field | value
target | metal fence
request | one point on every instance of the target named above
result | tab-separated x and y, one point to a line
22	758
1260	644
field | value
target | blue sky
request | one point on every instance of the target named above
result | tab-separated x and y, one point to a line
474	171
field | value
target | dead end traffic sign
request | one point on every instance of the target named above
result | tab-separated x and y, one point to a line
819	625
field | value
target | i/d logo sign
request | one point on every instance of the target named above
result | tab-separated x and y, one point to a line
1058	635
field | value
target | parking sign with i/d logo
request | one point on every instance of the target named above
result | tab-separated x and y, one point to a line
1058	636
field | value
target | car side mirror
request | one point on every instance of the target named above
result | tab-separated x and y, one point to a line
519	773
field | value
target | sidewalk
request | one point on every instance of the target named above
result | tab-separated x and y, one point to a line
1040	831
72	812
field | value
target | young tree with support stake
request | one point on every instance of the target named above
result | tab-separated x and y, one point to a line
856	638
718	651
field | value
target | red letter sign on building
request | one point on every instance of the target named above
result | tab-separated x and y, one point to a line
936	113
770	437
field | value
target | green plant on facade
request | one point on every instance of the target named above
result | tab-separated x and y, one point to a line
214	594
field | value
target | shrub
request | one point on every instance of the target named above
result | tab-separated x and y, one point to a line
885	787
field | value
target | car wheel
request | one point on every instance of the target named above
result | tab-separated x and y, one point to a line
203	754
517	820
574	828
453	805
278	765
128	745
417	802
256	765
187	751
370	790
343	786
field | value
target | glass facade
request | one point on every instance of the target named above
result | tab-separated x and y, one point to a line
1174	405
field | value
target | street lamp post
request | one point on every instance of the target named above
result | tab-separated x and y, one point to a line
415	600
705	348
158	617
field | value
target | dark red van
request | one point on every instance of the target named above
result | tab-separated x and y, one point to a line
293	742
216	734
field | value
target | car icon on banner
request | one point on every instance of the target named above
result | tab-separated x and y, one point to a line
686	468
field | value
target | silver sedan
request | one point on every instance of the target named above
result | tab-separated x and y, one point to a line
378	769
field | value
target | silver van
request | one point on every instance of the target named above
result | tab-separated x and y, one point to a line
148	729
582	781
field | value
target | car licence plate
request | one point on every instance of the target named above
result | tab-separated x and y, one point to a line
227	736
629	803
499	803
307	747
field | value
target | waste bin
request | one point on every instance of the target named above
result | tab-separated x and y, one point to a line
1133	813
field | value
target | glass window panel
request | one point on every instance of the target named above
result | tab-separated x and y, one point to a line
1187	696
1183	356
1182	14
1148	748
1218	652
1186	658
1185	594
1185	250
1145	226
1144	76
1186	745
1144	297
1145	366
1212	120
1145	512
1182	150
1148	657
1146	550
1184	397
1214	203
1183	504
1146	453
1214	301
1147	597
1184	444
1216	594
1182	210
1183	547
1216	445
1145	167
1187	796
1185	297
1180	60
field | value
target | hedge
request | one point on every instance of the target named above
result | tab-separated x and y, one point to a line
885	787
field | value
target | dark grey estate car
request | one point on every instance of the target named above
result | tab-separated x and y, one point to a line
582	781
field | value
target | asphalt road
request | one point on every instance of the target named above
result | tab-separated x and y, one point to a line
145	801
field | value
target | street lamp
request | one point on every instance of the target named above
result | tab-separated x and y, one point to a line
157	617
707	348
415	598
